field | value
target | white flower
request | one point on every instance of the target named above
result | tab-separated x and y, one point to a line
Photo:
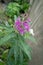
31	32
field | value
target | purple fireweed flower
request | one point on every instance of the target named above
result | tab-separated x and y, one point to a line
21	26
18	25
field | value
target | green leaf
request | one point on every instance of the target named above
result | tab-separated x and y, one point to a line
15	17
3	27
2	63
25	6
25	47
21	59
12	9
16	51
8	31
6	38
31	38
9	57
4	55
26	50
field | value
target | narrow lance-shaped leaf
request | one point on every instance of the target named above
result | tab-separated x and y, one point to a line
6	38
30	37
9	59
15	52
21	60
33	39
25	47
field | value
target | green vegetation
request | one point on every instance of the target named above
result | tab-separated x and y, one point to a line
16	51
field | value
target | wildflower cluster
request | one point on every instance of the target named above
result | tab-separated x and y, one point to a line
23	26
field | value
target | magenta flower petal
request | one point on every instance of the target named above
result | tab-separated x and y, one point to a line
26	26
17	23
28	20
20	30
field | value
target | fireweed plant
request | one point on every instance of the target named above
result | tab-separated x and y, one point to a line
18	52
13	36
